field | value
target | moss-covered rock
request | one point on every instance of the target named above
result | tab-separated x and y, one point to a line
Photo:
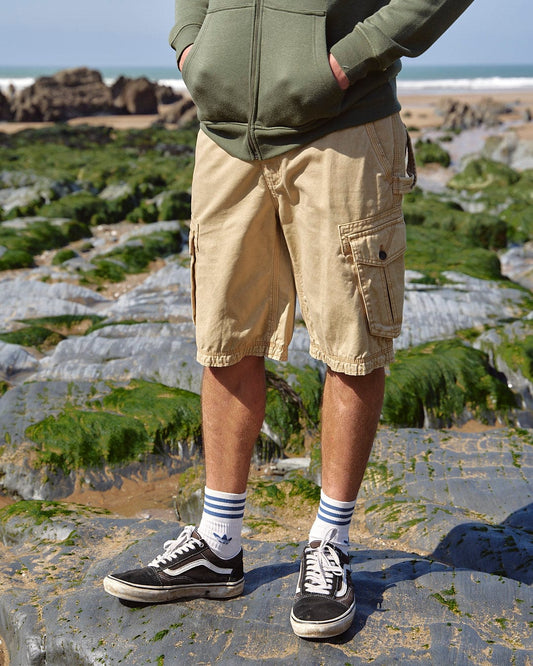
33	336
429	152
63	255
169	415
434	251
133	257
122	426
482	174
293	404
438	382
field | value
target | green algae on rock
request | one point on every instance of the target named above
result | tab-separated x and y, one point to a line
438	381
121	426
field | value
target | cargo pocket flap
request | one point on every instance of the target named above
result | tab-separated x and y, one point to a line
380	246
377	255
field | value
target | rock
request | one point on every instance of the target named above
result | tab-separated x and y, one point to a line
458	115
67	94
135	96
517	264
14	359
5	108
510	149
509	355
179	113
24	299
435	312
167	95
442	568
156	352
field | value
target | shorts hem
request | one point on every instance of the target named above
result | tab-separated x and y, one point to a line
354	367
225	360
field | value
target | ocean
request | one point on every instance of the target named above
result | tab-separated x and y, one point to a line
414	78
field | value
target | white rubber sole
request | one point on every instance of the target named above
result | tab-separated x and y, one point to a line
326	629
145	594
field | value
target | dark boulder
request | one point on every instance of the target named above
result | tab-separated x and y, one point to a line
135	96
67	94
5	108
179	113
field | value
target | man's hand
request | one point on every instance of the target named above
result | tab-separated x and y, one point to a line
183	55
338	73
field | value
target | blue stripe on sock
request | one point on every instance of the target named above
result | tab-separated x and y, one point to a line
224	500
336	508
334	514
333	522
214	505
223	515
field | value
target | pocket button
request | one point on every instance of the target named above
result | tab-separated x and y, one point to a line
382	255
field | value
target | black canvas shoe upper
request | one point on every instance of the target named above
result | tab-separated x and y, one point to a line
324	604
187	567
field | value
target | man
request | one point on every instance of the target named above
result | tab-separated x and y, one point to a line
299	176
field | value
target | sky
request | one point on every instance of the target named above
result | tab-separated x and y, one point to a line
99	33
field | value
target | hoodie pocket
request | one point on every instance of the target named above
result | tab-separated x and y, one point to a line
378	257
296	84
217	69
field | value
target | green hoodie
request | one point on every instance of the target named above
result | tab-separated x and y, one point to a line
259	74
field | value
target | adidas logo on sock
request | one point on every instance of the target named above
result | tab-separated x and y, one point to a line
222	539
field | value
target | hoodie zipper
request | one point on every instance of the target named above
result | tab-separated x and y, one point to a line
254	79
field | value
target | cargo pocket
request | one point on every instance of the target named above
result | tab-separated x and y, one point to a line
377	253
193	247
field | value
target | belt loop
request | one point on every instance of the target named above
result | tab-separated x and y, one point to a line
411	163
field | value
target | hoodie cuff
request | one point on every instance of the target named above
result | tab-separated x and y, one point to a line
181	38
355	55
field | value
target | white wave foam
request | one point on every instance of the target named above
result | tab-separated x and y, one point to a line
18	83
494	83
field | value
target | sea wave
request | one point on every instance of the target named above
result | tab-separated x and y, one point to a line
485	84
405	85
18	83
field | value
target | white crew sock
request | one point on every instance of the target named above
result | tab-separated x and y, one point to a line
333	514
221	523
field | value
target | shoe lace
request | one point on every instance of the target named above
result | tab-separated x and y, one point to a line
321	564
183	544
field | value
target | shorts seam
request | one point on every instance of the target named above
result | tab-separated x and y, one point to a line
357	366
276	352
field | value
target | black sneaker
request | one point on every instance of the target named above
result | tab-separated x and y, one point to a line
324	605
187	569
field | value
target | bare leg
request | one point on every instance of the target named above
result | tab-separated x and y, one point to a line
233	409
350	414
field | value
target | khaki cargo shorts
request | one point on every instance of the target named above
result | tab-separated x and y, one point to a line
323	221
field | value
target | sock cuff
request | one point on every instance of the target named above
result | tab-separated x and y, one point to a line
221	505
335	512
219	494
336	504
